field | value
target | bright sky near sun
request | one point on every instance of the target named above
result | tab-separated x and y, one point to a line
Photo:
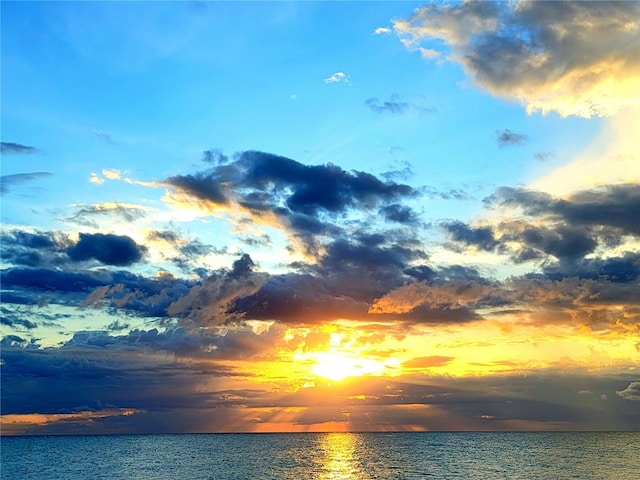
311	216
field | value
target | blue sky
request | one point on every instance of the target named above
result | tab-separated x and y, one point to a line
373	185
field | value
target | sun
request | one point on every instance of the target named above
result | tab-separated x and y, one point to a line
336	366
342	360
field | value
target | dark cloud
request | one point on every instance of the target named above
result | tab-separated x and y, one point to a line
480	237
564	243
507	137
201	186
8	181
533	52
10	148
109	249
267	181
12	320
55	249
322	187
395	106
308	201
616	206
43	279
215	157
567	229
94	369
34	249
399	213
299	298
621	269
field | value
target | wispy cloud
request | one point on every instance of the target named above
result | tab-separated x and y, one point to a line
103	136
9	181
506	138
338	77
382	31
10	148
396	106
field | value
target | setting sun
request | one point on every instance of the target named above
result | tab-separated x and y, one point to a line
342	360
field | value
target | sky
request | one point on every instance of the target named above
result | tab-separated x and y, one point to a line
319	216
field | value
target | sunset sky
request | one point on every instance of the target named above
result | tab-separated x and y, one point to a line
306	216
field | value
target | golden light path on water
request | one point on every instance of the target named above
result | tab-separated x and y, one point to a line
338	457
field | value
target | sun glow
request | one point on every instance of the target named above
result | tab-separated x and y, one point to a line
343	359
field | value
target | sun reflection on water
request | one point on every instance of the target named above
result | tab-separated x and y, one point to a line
338	456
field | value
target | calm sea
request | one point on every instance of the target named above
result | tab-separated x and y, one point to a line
360	456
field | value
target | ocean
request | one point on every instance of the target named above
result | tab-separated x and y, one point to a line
358	456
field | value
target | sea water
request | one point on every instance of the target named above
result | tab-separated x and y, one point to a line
358	456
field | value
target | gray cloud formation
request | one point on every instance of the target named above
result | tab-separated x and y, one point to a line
10	148
506	137
632	392
534	52
54	249
567	229
310	202
396	106
107	248
8	181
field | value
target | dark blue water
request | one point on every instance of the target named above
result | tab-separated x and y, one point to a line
361	456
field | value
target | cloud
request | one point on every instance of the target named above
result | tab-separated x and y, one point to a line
533	52
209	302
543	156
103	136
338	77
10	148
200	185
540	225
632	392
12	320
395	106
507	137
214	156
429	53
309	202
400	214
382	31
450	295
95	178
34	249
8	181
109	249
428	362
480	237
126	211
615	206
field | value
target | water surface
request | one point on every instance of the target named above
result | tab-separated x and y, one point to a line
357	456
